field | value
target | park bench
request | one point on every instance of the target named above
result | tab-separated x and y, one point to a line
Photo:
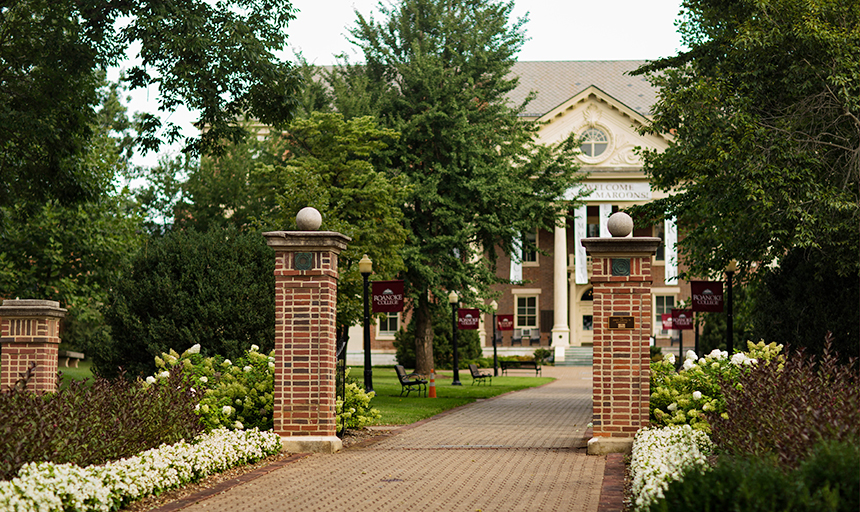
410	382
479	377
67	356
520	365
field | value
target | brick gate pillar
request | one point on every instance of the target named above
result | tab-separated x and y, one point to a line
621	277
306	276
30	333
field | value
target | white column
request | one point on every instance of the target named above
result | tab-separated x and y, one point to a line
579	227
561	330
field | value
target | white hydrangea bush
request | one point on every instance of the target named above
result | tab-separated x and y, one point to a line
45	486
663	455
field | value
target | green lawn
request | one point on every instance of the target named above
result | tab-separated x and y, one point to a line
404	410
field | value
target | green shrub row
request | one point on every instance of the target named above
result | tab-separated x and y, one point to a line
94	422
824	481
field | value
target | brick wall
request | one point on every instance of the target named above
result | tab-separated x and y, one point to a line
30	334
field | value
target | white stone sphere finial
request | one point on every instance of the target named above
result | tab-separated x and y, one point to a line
620	225
308	219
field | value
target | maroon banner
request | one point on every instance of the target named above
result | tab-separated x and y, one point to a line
387	296
707	296
504	322
667	321
468	319
682	319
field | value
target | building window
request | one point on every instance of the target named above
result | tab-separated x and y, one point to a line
594	142
526	312
529	255
389	324
663	305
587	322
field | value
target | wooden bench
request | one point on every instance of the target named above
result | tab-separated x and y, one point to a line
67	356
479	377
520	365
410	382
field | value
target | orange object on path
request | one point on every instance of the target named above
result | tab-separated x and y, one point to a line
432	393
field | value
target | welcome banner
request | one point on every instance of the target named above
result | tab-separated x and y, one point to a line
387	296
468	319
707	296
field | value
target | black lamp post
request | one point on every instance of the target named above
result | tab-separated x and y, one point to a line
453	299
495	306
365	267
730	338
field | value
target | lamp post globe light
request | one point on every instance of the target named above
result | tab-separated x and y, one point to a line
365	267
730	338
495	306
453	299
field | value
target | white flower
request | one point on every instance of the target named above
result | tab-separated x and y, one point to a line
163	375
750	361
254	348
271	359
271	364
715	354
670	358
226	362
195	349
204	379
196	407
738	359
692	355
689	363
697	395
227	410
247	368
238	425
672	407
150	380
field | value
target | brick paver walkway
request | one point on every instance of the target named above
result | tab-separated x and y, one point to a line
523	451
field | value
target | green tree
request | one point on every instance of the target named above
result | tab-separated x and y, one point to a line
213	57
70	252
215	288
438	72
327	165
765	112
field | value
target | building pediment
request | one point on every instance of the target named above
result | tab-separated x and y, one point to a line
609	126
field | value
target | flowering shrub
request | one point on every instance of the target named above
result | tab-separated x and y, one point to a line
234	395
42	486
688	396
357	411
93	422
663	455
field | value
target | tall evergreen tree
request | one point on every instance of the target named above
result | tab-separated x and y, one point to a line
438	72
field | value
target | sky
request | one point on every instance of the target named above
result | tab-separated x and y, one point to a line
557	30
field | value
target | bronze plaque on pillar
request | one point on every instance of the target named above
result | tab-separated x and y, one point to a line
621	322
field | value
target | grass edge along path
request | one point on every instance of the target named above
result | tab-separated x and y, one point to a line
408	409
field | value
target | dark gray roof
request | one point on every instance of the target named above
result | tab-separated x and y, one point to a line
557	81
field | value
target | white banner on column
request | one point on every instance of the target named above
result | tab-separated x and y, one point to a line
670	233
605	212
516	260
579	227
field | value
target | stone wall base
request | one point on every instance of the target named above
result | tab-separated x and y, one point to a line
311	444
604	445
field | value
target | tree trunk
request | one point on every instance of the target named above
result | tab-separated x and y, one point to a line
423	336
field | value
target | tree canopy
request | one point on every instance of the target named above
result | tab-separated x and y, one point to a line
438	72
215	58
765	112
